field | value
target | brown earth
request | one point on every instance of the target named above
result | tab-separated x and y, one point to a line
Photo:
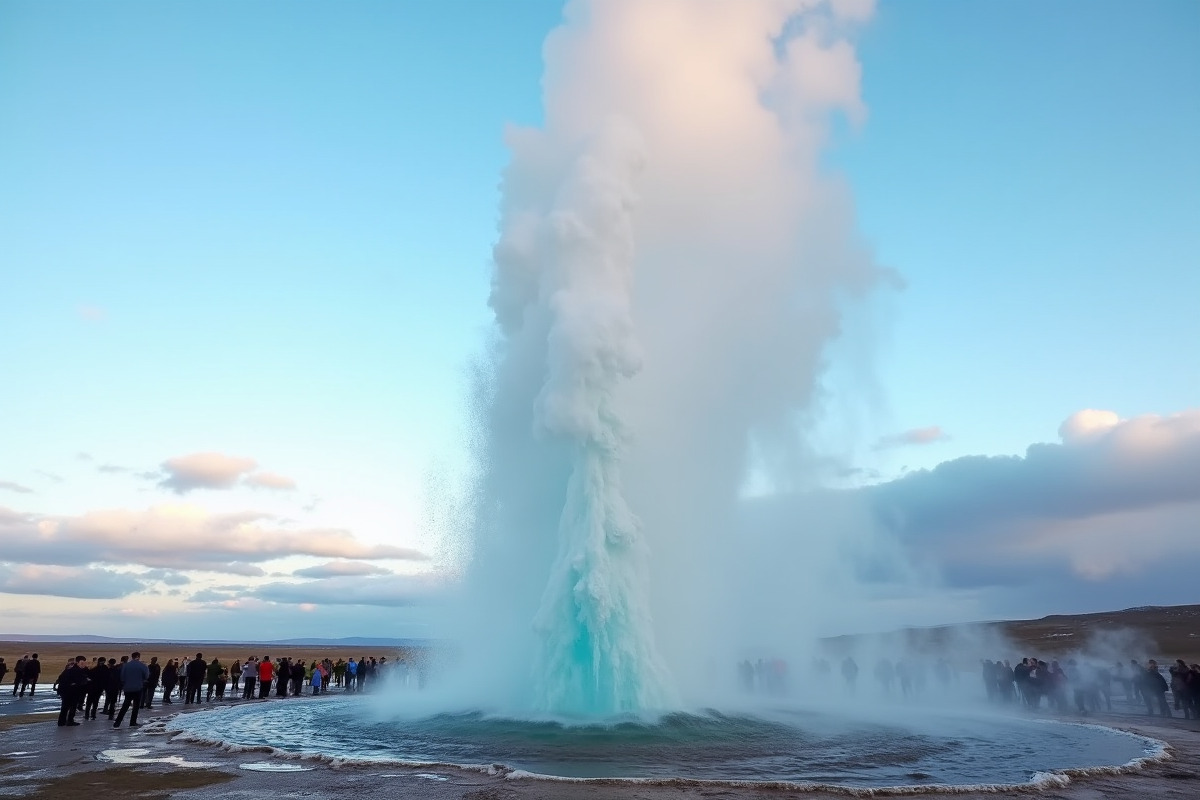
1174	631
119	782
13	720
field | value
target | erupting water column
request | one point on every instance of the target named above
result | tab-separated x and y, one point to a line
596	646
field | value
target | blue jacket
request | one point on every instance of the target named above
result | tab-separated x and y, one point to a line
134	676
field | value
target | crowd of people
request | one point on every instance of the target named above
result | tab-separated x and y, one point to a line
1091	686
98	686
1085	686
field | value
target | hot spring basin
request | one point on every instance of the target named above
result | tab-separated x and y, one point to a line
793	746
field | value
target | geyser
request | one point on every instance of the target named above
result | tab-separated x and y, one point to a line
671	267
596	653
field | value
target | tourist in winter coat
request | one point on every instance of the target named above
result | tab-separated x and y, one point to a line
249	678
1154	689
266	671
170	678
317	678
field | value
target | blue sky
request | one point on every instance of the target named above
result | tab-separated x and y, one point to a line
1029	168
264	230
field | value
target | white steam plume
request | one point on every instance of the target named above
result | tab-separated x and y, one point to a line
597	650
733	268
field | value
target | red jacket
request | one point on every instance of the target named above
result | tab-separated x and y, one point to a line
266	671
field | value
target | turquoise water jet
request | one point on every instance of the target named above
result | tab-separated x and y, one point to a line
597	653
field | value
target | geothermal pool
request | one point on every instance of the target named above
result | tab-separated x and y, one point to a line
793	746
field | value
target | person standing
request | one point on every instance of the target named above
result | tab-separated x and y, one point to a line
265	673
67	666
170	677
29	675
212	676
151	682
1137	676
97	680
339	673
19	672
283	677
1154	689
850	673
133	680
71	686
316	678
3	671
298	674
1179	688
235	675
197	670
1194	689
183	673
112	688
249	678
117	685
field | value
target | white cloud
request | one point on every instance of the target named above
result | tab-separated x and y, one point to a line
341	568
169	577
1085	423
270	480
81	582
204	471
382	590
178	536
213	595
1118	498
211	471
230	568
15	487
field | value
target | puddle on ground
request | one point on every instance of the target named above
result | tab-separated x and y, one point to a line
138	755
272	766
431	776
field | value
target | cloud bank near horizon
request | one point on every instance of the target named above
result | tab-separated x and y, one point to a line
1104	518
1116	502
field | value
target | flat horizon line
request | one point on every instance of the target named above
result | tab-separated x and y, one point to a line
366	641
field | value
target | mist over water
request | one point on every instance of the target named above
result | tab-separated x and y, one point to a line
672	266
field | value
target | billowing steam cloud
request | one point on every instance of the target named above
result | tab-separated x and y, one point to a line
597	647
672	264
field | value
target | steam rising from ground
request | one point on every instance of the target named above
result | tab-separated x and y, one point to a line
672	266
